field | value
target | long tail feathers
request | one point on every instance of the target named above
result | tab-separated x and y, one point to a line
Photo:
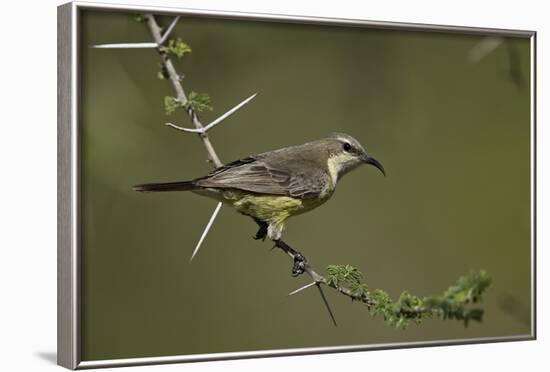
167	186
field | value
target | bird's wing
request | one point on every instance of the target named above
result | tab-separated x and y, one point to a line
269	176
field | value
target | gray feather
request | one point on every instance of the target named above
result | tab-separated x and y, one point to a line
291	172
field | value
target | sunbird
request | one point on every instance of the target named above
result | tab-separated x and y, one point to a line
273	186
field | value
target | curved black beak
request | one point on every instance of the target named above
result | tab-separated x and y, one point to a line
372	161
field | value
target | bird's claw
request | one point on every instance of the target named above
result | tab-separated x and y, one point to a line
300	263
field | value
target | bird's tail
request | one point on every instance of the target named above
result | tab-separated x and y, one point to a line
167	186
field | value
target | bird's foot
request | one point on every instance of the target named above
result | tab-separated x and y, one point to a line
300	263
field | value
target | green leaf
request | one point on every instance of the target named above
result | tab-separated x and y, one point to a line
198	102
335	275
453	304
177	47
382	303
345	274
360	290
170	104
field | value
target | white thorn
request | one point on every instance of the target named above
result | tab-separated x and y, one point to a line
169	30
190	130
230	112
206	229
215	122
302	288
126	46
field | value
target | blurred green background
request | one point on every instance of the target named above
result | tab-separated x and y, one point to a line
453	135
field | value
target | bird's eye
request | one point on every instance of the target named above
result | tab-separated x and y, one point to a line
347	147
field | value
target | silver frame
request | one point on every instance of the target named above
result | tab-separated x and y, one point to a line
68	178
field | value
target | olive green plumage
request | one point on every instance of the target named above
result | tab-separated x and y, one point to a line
273	186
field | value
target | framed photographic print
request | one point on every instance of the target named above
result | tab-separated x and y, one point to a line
235	185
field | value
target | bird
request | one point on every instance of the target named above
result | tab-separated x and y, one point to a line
273	186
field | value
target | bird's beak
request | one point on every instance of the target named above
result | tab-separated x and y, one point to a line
372	161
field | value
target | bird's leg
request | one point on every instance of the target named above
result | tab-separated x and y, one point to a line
300	261
262	231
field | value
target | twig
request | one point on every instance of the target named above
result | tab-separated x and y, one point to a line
302	288
206	229
141	45
319	279
215	122
169	30
182	98
326	304
126	46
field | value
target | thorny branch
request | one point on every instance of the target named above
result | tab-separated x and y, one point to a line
181	97
174	78
203	133
451	305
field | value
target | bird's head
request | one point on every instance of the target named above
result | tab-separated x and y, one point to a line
345	153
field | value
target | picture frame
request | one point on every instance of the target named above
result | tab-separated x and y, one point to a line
70	159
